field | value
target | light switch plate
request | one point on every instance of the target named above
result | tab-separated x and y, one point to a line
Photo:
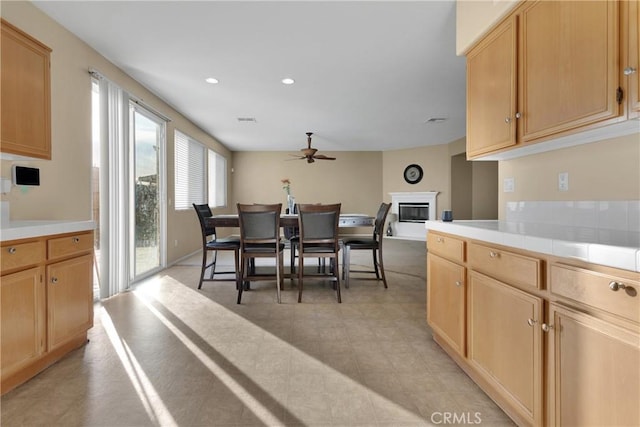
508	185
563	181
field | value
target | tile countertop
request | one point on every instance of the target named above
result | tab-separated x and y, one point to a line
25	229
613	248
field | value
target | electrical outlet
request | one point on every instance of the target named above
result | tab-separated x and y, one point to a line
563	181
509	185
175	243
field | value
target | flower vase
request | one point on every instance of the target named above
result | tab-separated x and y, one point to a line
291	203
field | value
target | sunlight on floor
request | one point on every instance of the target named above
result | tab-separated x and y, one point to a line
150	399
342	382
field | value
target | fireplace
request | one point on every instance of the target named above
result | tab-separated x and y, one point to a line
409	211
413	212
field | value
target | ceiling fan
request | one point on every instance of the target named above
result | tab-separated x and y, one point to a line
310	153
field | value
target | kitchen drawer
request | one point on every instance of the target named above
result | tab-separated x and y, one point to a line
606	292
22	255
69	245
446	246
503	265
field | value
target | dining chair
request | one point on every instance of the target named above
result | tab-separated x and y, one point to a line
319	238
212	243
374	244
260	238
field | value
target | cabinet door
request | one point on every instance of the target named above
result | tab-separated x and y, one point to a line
569	72
69	299
505	342
22	319
632	66
491	91
594	371
26	105
446	301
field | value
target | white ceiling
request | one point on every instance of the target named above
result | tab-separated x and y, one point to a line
368	74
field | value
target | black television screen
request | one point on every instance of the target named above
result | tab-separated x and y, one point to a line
23	175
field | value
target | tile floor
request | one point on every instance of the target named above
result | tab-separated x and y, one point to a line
166	354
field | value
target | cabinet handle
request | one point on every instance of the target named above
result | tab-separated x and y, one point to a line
12	250
507	120
546	327
76	239
440	240
493	254
54	280
531	322
629	70
458	283
614	286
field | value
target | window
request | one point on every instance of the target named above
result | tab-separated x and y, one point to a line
190	180
192	185
217	179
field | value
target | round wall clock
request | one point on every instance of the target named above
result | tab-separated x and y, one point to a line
413	174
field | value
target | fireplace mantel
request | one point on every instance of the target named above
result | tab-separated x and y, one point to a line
406	230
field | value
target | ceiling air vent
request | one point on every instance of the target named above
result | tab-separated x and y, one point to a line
247	119
435	120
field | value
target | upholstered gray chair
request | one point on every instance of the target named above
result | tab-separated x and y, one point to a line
319	238
374	244
260	238
212	243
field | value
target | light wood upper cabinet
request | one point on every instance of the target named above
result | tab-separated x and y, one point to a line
631	65
446	296
594	371
26	94
491	91
550	69
505	342
22	319
569	66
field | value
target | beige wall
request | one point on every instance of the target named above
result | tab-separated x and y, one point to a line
475	17
354	179
605	170
65	190
436	164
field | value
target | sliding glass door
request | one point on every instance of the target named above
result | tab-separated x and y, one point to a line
147	139
129	188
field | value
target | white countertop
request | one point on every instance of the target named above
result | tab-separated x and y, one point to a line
25	229
613	248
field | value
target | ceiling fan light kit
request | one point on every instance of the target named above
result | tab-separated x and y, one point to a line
309	154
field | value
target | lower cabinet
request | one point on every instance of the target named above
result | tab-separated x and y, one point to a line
46	302
67	296
446	301
553	341
505	342
594	371
22	319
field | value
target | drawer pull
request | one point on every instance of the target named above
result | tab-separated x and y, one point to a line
458	283
76	239
12	250
54	280
493	254
546	327
531	322
440	240
614	286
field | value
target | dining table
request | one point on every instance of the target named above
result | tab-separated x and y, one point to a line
291	220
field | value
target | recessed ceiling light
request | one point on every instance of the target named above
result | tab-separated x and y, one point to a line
288	81
211	80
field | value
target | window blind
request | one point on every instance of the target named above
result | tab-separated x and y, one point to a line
217	179
189	172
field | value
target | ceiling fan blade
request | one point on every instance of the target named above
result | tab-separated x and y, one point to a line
323	157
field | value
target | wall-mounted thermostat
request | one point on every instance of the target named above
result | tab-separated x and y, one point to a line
23	175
